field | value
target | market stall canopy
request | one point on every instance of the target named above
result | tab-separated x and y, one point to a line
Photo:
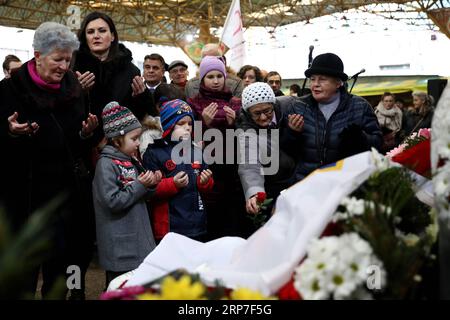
170	22
375	86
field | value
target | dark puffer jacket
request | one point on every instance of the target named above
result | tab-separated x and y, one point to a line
322	142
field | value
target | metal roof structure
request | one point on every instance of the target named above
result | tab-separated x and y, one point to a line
169	22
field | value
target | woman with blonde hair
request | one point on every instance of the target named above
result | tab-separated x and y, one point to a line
420	115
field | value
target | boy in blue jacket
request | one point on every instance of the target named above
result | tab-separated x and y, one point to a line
177	204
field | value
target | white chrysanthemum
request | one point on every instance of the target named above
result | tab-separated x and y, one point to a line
309	282
335	267
342	284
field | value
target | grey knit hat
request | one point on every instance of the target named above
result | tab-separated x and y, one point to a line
118	120
256	93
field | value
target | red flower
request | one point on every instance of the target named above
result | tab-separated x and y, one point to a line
196	165
260	197
288	292
170	165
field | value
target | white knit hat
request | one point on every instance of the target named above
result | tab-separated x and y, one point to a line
256	93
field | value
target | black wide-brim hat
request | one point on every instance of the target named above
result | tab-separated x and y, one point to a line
327	64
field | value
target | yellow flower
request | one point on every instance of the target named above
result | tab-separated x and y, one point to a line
148	296
247	294
183	289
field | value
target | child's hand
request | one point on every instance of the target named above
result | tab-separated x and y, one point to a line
205	175
181	179
209	113
158	176
148	179
230	114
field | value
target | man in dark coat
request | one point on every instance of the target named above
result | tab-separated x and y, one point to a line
329	124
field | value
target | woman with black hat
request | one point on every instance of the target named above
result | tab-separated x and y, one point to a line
329	124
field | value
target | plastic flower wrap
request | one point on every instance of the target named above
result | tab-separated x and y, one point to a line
414	152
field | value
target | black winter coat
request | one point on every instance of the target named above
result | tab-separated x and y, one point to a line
113	78
38	167
321	142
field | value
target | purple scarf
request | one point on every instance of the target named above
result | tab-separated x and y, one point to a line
38	80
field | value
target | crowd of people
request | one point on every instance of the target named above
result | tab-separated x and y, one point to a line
79	117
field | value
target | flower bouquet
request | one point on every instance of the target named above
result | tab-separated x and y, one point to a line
379	244
181	285
414	152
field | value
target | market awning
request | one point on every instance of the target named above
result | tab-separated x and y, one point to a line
374	86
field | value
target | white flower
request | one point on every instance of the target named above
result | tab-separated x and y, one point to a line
335	267
342	284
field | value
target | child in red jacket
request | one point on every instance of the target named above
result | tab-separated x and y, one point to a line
177	203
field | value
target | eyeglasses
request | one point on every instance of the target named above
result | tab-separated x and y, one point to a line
256	115
274	81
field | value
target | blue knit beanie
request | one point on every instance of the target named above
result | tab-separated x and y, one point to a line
171	112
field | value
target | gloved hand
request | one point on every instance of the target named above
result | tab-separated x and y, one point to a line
353	141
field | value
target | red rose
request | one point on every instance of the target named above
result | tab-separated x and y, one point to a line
260	197
196	165
170	165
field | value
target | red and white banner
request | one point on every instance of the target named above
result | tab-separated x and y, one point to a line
233	36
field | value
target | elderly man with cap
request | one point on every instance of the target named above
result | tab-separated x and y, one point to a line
329	124
178	73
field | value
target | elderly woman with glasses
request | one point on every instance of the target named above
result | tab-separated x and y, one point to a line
45	128
261	111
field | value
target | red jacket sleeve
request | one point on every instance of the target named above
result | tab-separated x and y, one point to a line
166	188
205	187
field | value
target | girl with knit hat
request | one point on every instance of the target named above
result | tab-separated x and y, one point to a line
121	187
177	205
217	108
214	104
